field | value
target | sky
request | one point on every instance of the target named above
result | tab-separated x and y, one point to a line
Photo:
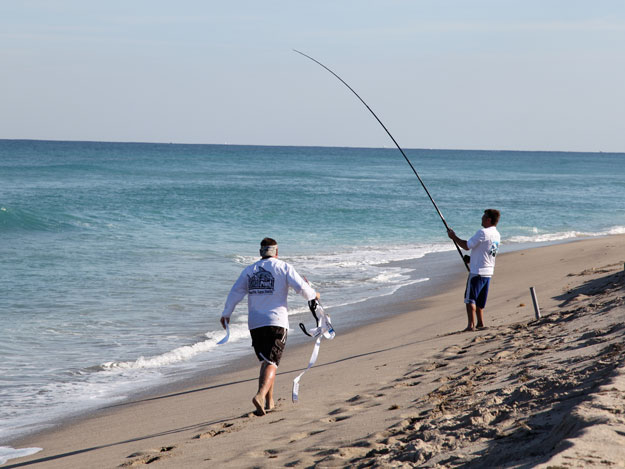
453	74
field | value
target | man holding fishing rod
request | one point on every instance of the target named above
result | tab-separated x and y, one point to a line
266	284
484	245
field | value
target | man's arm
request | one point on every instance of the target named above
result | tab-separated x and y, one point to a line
460	242
237	293
301	285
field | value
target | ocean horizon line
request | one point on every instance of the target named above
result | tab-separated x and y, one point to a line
255	145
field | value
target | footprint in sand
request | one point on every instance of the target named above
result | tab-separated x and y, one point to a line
405	384
501	355
339	414
340	457
271	453
338	418
148	457
302	435
223	428
305	461
456	355
356	398
360	400
451	350
430	366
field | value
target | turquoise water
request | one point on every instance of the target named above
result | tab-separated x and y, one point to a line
116	258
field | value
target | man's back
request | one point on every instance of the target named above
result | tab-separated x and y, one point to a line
267	282
484	245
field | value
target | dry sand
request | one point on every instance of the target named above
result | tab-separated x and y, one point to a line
410	391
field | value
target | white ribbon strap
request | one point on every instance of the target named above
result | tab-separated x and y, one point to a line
225	339
326	330
313	359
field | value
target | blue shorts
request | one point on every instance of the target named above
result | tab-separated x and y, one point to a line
477	290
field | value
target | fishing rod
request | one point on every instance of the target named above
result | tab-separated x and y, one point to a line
396	144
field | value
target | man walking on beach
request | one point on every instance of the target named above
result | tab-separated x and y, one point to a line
484	245
266	284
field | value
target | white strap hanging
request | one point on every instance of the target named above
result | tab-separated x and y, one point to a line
313	359
225	339
324	329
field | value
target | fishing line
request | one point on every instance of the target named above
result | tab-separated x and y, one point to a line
396	144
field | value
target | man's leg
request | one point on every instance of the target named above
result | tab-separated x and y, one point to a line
470	316
269	403
480	302
265	387
480	317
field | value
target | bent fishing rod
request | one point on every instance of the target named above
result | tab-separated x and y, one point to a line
396	144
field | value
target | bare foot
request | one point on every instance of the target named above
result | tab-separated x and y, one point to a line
258	401
469	329
270	405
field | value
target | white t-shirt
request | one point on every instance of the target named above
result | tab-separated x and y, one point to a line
484	245
266	284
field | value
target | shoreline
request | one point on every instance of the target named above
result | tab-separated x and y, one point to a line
423	324
369	310
374	309
396	303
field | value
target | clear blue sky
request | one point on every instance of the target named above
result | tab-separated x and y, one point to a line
524	75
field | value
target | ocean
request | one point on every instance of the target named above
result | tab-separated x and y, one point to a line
116	258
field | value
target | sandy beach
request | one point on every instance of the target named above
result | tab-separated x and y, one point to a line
411	391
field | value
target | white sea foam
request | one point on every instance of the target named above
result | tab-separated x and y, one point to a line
356	256
388	292
110	382
352	275
387	277
6	453
562	235
181	354
371	255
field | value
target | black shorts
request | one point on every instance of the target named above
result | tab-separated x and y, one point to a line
268	343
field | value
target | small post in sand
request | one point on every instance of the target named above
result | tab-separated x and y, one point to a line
535	301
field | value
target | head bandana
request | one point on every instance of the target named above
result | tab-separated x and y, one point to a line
269	251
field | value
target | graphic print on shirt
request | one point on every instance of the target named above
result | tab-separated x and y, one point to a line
494	249
261	283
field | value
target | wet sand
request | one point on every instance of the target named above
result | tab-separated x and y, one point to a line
408	391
